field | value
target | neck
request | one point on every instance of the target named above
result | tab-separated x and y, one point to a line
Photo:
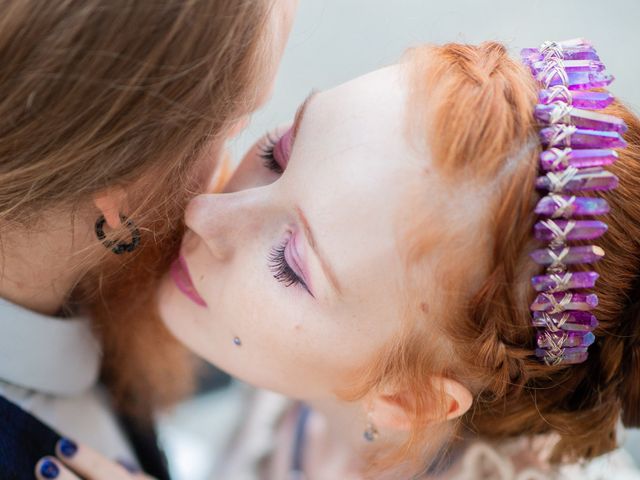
334	443
39	265
335	446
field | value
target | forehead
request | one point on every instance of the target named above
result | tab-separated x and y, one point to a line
367	123
360	128
370	108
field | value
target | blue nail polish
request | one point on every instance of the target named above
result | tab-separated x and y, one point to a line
67	447
48	469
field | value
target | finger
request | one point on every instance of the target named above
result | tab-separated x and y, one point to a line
49	468
90	464
134	470
130	467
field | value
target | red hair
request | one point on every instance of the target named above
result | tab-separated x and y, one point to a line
473	105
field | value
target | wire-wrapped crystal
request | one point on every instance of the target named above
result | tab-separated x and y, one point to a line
578	143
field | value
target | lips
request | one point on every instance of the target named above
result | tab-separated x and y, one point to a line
180	274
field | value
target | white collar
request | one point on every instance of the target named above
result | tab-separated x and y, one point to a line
47	354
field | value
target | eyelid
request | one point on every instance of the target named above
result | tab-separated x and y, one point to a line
285	266
282	148
298	260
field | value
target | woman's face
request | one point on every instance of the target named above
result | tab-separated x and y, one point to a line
303	269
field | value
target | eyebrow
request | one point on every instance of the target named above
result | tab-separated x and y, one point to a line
328	271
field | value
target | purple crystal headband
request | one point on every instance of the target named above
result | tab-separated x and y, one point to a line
578	142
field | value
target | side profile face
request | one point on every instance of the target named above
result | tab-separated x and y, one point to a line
295	277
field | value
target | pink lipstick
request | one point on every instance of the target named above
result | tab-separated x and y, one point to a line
180	274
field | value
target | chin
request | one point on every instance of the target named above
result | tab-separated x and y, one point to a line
185	322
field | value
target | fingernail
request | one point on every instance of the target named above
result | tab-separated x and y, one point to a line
48	469
129	466
67	448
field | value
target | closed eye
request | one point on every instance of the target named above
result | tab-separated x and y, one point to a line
267	153
281	269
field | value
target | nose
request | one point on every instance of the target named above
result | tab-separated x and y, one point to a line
224	221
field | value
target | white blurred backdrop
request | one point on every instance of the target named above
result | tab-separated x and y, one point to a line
336	40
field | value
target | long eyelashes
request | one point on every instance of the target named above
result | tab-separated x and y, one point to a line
267	154
280	268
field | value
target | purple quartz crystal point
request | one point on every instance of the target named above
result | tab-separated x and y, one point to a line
563	339
542	352
586	99
583	65
578	42
588	80
563	230
556	258
558	159
561	301
592	120
565	206
564	281
569	66
574	180
591	100
531	55
577	80
568	356
586	119
570	136
570	320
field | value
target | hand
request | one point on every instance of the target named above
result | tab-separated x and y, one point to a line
75	462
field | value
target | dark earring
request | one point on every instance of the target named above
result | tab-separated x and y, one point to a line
118	247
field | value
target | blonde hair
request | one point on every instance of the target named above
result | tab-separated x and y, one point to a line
99	93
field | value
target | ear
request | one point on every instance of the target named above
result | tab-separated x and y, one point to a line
390	411
111	203
394	410
458	398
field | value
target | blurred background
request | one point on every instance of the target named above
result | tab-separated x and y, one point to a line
335	40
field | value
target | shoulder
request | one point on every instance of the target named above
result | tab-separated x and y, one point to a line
523	459
617	465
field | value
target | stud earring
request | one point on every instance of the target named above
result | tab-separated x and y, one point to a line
371	433
118	247
237	342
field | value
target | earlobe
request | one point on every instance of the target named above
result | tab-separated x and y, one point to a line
389	412
111	203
